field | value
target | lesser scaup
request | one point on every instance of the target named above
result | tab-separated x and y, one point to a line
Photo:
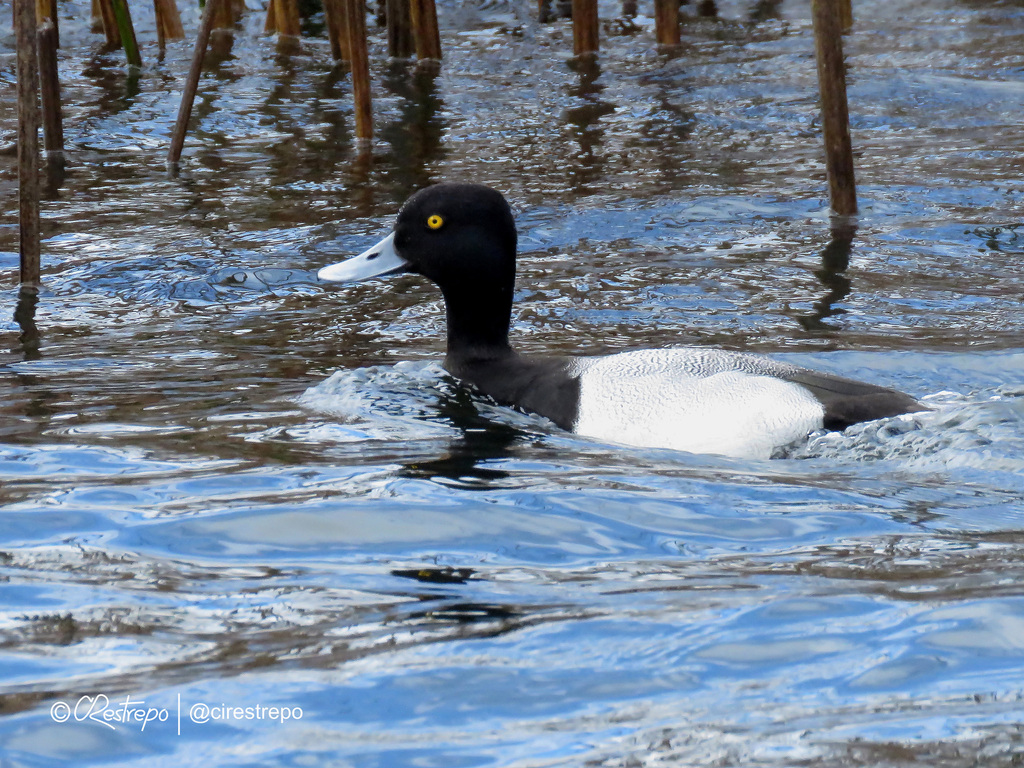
463	238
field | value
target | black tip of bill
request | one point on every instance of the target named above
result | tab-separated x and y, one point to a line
381	259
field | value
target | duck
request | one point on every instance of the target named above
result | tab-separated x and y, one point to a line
704	400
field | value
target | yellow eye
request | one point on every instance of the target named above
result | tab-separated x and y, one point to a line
435	222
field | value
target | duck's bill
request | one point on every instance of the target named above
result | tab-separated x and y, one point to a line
382	259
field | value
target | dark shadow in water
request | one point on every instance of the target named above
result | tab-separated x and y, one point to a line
220	52
466	619
55	173
328	96
552	10
312	18
482	441
1008	238
289	153
835	259
415	135
670	127
707	9
25	317
472	613
116	84
36	400
222	41
362	193
585	124
763	10
446	575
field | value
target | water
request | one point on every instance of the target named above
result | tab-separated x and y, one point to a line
226	485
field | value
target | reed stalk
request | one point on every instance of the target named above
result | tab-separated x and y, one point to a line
96	22
666	22
47	9
28	141
337	31
49	82
270	24
168	22
355	14
835	116
398	17
846	15
287	22
425	30
188	96
110	29
584	27
123	19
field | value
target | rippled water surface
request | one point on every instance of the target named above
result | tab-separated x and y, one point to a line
226	485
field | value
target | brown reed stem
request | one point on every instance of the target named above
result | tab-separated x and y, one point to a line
286	18
47	9
846	15
360	67
226	16
270	25
835	116
168	21
398	18
49	87
188	96
106	9
28	140
666	22
425	30
584	27
336	31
